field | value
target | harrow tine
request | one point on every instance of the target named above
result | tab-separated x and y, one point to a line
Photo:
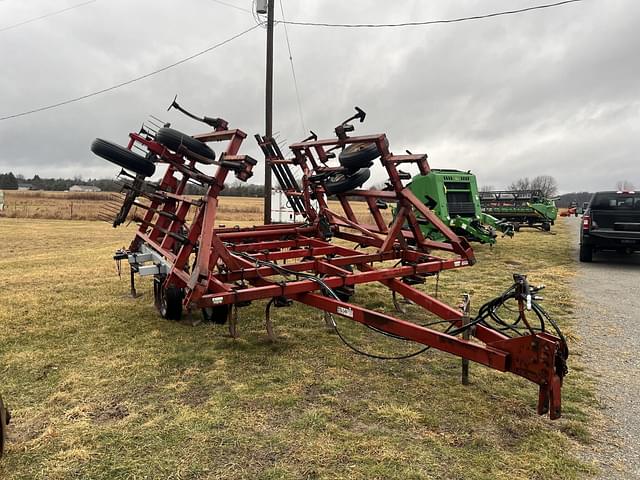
124	173
162	213
153	130
162	122
140	149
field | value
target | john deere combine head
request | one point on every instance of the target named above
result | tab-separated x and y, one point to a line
453	196
525	208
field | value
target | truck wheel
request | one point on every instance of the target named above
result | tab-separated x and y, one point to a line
174	140
516	227
170	302
340	182
586	253
218	314
123	157
546	227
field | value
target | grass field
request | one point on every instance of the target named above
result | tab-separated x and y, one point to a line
87	206
101	387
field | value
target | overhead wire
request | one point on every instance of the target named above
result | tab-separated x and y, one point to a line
133	80
430	22
47	15
231	5
259	23
293	70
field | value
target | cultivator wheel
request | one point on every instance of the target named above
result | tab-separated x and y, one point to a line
178	142
168	299
123	157
357	156
218	315
344	181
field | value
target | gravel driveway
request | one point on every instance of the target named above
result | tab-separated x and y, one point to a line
609	329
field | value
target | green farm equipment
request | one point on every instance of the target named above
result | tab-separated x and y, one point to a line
526	208
453	196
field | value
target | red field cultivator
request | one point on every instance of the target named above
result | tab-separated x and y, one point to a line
218	270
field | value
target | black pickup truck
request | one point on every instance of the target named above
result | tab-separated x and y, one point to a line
611	222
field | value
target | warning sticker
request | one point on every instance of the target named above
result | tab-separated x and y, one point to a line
345	311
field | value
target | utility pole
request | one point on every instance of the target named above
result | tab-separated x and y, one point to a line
268	109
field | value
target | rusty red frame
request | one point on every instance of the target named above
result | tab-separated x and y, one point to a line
212	267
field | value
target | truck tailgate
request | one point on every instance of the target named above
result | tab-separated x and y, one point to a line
621	220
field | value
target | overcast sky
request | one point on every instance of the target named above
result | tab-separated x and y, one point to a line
554	91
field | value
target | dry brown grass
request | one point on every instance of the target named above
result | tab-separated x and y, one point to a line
101	387
87	206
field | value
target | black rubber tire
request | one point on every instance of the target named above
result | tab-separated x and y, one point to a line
123	157
340	182
218	314
170	302
516	227
546	227
586	253
174	140
359	155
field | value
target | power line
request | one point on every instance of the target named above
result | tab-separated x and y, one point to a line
293	70
429	22
47	15
232	6
133	80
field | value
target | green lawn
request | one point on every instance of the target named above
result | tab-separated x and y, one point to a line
101	387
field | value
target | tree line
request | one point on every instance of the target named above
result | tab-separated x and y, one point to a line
9	181
545	183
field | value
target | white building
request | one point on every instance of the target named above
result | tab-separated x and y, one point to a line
84	188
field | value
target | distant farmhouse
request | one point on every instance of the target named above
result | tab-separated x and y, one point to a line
84	188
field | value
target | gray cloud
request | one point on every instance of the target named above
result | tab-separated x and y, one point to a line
547	92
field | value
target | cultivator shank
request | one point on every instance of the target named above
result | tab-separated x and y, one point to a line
197	265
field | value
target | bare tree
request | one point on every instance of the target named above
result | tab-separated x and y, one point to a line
520	184
546	184
625	185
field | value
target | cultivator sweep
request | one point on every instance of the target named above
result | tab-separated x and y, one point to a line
218	270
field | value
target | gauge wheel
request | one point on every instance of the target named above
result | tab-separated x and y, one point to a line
123	157
169	302
218	314
359	155
178	142
343	182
